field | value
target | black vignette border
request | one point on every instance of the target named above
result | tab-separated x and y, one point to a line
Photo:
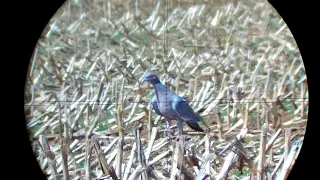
27	20
35	16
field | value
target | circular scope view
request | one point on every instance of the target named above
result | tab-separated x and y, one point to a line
170	89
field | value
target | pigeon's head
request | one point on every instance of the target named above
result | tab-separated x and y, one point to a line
150	77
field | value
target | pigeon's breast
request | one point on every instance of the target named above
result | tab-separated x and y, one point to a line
165	107
167	111
164	98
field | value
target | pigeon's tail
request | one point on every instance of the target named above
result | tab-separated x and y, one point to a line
195	126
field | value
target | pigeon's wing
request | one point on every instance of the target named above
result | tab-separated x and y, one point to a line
184	111
155	105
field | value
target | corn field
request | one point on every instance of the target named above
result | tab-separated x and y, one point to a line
236	62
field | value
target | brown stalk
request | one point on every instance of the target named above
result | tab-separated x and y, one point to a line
130	162
50	156
274	172
271	158
151	141
258	110
188	175
228	109
64	147
246	115
287	142
261	162
207	151
219	126
272	140
88	154
177	157
106	168
140	155
230	158
274	111
119	118
150	123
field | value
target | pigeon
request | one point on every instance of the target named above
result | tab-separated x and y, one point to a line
170	105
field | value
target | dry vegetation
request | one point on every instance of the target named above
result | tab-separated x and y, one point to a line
235	61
